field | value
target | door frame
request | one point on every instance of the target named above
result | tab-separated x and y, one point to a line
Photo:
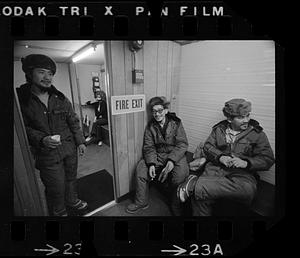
108	83
28	193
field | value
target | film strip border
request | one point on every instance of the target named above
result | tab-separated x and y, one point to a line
204	20
120	236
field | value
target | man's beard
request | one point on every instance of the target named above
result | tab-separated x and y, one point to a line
42	88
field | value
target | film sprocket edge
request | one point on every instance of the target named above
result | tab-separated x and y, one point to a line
147	51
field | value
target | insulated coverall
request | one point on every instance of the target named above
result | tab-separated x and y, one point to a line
218	181
58	167
157	150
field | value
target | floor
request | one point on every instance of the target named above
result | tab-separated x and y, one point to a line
263	205
95	158
157	207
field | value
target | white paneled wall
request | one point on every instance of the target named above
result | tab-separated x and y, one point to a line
212	72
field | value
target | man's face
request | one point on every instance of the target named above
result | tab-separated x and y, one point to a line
159	112
42	77
98	97
240	123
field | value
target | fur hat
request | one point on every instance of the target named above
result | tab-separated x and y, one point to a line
236	107
37	61
158	101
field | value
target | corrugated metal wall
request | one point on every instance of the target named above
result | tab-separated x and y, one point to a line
212	72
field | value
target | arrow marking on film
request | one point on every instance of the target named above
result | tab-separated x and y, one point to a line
177	252
53	250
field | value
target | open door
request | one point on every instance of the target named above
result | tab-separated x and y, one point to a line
92	103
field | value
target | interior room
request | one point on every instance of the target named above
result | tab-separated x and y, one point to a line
197	77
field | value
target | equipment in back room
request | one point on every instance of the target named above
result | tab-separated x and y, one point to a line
96	85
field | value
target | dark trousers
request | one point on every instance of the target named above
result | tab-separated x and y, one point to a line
175	177
96	128
212	185
60	183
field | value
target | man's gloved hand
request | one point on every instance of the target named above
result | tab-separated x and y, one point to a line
164	173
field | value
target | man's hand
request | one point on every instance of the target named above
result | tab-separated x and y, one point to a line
164	173
238	163
82	149
50	143
152	172
226	160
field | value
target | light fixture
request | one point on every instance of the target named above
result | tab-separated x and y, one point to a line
85	53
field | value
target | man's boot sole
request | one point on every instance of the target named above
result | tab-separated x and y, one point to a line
132	212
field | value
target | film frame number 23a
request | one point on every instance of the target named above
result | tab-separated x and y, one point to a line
205	249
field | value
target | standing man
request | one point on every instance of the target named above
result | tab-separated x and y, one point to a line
53	132
164	160
236	149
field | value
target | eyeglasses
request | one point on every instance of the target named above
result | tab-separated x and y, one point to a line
159	111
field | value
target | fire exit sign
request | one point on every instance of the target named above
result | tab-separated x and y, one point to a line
127	104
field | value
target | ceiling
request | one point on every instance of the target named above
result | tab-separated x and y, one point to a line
60	50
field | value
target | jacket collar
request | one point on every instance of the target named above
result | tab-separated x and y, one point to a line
25	94
224	124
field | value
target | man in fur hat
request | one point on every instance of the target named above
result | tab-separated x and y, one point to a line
164	160
236	149
53	132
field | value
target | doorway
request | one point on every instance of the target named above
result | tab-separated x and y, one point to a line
83	82
91	103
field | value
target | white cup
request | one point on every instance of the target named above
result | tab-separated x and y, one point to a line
56	137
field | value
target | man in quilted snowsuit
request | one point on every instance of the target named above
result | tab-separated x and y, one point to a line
164	160
53	132
236	149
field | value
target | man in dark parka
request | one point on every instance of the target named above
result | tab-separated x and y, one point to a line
236	149
48	114
164	160
101	115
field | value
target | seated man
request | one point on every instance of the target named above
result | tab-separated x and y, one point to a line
236	149
100	119
164	160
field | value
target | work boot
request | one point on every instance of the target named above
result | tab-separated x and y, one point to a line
133	207
61	213
89	140
185	189
79	205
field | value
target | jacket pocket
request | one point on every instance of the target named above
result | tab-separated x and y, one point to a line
60	113
243	146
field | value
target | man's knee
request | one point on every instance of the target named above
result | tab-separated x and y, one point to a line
142	169
206	189
248	191
180	172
